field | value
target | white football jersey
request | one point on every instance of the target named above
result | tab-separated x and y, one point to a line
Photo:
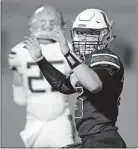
43	102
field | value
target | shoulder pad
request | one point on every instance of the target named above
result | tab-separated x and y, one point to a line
13	57
18	47
105	57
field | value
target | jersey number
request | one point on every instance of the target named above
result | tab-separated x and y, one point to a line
40	77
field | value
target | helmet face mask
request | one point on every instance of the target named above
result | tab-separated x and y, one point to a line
86	41
87	36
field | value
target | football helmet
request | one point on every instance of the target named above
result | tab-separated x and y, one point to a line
91	30
43	20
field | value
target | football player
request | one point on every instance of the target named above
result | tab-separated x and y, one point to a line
48	117
97	77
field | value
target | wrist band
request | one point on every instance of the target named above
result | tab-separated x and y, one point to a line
72	60
39	59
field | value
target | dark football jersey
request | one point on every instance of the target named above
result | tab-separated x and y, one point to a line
95	112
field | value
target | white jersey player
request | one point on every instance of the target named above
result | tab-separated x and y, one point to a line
47	120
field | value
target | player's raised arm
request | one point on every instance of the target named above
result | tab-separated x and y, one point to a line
86	76
19	96
56	79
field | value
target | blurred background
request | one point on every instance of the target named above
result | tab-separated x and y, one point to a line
14	28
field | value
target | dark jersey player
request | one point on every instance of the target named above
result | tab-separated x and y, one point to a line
97	77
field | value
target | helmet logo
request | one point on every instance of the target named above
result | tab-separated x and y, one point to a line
98	22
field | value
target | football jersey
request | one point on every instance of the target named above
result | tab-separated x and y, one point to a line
43	101
95	112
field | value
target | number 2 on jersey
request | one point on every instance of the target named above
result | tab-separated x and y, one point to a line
40	77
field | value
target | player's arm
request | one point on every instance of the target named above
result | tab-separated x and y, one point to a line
19	95
111	72
86	76
18	90
57	80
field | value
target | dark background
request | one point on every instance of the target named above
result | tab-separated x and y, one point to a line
14	28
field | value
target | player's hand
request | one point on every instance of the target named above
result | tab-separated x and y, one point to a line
62	40
58	34
32	45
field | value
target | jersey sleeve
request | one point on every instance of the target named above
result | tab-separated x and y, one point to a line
56	79
110	70
14	59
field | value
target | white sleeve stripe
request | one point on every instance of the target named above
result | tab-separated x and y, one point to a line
105	62
104	54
